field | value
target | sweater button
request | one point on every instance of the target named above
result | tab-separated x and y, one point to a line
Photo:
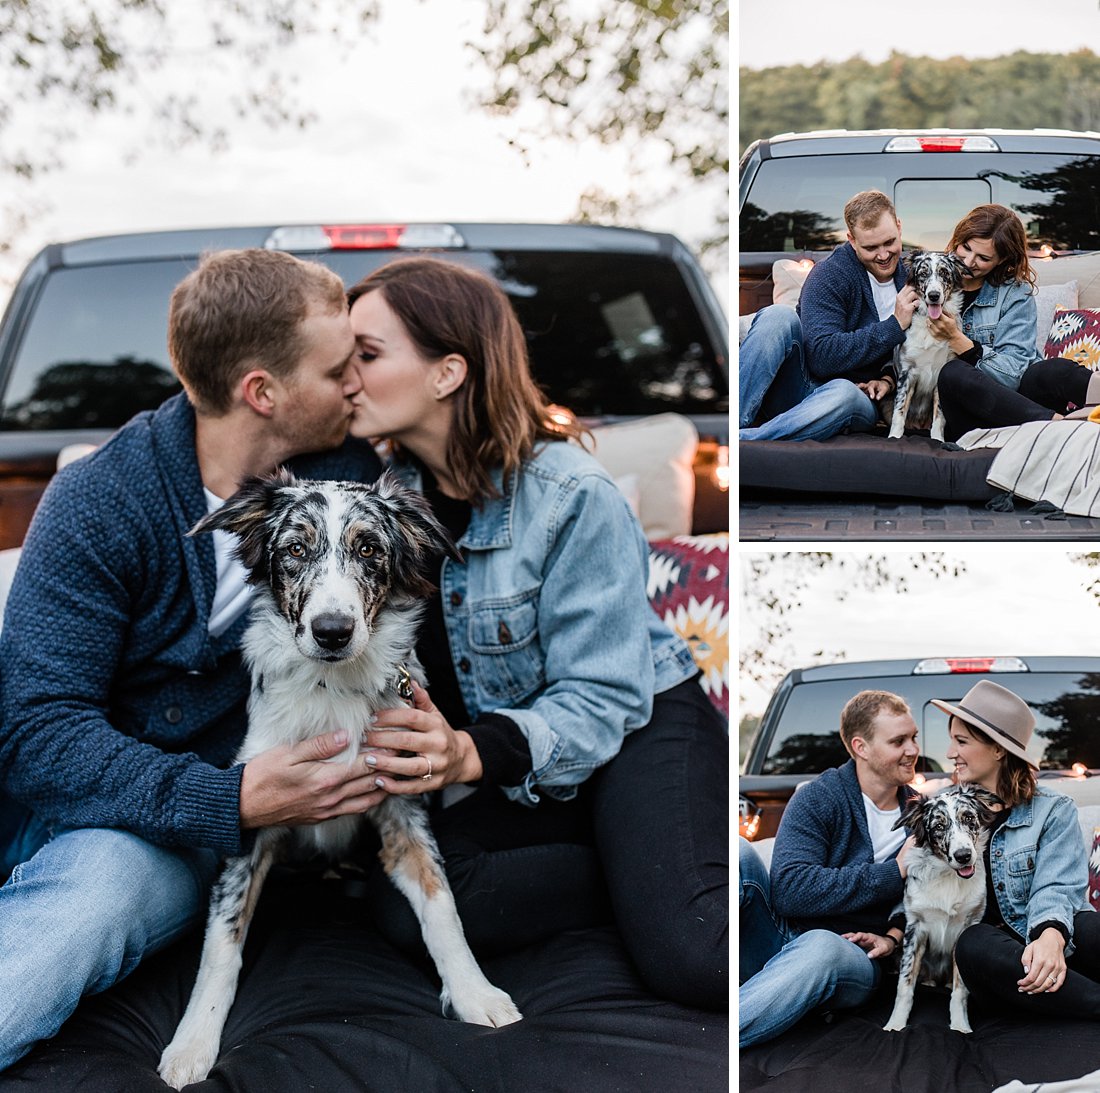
173	715
456	599
464	666
1001	887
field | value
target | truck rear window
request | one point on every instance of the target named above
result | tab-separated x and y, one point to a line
1066	705
797	203
609	334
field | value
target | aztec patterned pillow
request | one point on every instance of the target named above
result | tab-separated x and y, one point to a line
689	589
1075	335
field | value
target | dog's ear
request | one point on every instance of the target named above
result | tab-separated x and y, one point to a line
247	514
912	817
422	535
987	804
958	268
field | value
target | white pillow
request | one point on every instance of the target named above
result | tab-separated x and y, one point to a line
788	277
659	452
1047	298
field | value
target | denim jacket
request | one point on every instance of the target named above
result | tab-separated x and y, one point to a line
1039	865
1001	320
548	619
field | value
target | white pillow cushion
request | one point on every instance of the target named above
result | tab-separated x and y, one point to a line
788	277
659	451
1047	298
1082	268
9	559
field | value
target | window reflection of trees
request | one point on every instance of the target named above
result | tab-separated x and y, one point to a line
1070	218
1074	735
807	753
798	229
89	395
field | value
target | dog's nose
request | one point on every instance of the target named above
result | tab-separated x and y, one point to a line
332	631
963	856
933	297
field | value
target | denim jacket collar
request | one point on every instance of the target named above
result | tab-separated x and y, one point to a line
987	294
491	522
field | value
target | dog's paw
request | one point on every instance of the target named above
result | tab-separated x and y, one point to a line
183	1063
894	1026
961	1026
483	1005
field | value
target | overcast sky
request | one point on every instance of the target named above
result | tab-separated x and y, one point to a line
783	32
1011	601
398	137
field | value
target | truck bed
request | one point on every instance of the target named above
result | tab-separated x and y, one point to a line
808	517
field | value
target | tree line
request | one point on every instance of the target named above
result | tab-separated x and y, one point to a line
1018	91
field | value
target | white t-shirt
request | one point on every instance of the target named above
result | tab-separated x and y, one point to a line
233	593
886	296
886	841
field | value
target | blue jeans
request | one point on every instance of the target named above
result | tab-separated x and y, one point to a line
80	914
831	409
771	366
773	385
784	975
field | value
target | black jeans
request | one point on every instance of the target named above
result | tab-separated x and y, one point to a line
972	400
989	962
645	843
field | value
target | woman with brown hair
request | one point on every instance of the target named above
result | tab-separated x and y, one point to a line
566	726
1038	944
995	378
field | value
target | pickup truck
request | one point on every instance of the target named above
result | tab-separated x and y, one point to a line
792	190
798	736
620	323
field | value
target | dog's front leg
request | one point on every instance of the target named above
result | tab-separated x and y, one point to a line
901	405
939	422
411	860
912	953
194	1048
960	1021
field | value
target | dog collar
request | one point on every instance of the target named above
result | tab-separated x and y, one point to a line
403	683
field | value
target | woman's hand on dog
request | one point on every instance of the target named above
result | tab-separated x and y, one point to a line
1044	964
435	754
946	329
295	784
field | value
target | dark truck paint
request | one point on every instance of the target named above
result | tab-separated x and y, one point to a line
791	194
798	736
620	323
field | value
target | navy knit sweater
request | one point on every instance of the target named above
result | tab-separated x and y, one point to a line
119	709
843	335
823	872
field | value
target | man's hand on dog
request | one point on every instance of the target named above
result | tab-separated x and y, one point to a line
903	853
1044	964
905	306
294	784
874	945
419	746
876	390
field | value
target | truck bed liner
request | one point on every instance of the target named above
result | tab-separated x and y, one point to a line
810	518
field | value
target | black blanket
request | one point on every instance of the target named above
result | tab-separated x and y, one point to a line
850	1051
325	1003
911	466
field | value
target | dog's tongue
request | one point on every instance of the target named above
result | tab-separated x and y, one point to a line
969	870
934	311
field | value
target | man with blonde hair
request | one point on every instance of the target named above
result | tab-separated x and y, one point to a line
814	931
812	375
123	692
